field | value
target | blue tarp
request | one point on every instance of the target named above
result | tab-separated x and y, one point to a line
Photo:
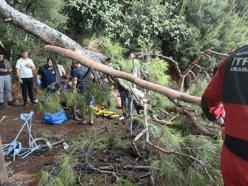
55	118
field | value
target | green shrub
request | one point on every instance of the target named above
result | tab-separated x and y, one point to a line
48	102
65	172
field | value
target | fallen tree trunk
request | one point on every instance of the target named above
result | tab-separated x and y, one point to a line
43	32
51	36
86	61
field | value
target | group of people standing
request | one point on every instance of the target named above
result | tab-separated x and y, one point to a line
26	72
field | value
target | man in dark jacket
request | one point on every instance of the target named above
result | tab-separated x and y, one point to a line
80	75
226	100
46	74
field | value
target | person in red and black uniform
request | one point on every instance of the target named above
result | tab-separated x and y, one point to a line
46	74
226	100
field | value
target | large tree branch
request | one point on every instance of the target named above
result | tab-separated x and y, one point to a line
43	32
86	61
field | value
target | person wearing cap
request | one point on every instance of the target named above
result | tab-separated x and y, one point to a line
5	80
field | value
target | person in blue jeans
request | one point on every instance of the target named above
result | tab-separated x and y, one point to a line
5	80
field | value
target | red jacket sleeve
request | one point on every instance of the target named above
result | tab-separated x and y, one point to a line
211	103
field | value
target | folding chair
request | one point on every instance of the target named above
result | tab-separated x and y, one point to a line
15	147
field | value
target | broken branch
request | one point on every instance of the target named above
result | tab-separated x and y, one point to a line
209	51
97	169
175	153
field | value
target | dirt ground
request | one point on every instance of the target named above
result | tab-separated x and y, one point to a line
27	170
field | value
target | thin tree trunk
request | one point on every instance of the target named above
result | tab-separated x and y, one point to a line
3	171
86	61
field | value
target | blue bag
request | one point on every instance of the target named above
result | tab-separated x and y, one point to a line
55	118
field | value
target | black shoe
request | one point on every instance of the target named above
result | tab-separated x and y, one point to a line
25	104
1	105
12	103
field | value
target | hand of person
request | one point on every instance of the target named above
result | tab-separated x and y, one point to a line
3	70
38	82
74	81
29	65
20	81
221	119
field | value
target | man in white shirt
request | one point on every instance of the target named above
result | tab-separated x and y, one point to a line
25	68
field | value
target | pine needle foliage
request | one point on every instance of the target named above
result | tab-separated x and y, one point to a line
198	87
116	52
51	102
82	141
113	50
180	170
44	178
124	182
65	171
157	68
159	102
48	180
48	102
164	168
72	99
